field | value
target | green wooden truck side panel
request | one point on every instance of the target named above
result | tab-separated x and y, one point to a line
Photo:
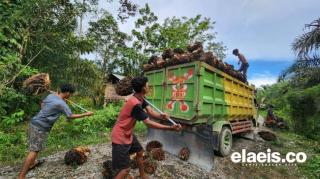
196	92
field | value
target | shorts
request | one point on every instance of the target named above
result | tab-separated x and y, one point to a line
36	138
121	153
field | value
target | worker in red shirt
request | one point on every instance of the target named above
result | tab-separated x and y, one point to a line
124	142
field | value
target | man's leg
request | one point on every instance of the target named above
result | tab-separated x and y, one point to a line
245	68
137	148
30	160
123	173
241	68
36	139
120	160
140	161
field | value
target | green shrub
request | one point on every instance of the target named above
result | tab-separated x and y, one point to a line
102	120
140	128
312	167
12	146
13	119
305	111
10	101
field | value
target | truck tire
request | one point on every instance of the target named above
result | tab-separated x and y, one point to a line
225	142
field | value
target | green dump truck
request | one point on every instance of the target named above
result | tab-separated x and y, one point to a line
210	104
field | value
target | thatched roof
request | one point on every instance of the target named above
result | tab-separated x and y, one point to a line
111	95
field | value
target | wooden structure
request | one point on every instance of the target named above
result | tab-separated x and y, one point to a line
110	92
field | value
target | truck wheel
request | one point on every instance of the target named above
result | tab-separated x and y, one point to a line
225	142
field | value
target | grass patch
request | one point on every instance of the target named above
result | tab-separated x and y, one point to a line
312	167
63	136
262	113
140	128
14	147
291	142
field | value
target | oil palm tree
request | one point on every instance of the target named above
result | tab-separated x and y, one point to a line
308	42
305	71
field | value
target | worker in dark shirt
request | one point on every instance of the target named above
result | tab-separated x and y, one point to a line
124	142
51	109
244	62
271	120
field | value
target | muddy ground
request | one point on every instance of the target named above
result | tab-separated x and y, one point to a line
171	167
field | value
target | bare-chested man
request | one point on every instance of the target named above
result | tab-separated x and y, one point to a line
244	63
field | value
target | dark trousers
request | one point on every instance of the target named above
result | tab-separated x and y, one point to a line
244	68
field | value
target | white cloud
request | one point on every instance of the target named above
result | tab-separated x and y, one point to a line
261	29
262	79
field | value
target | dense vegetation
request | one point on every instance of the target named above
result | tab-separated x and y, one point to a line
296	96
47	36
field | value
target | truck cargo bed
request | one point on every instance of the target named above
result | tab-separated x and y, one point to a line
196	92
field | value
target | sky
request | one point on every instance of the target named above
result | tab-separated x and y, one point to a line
263	30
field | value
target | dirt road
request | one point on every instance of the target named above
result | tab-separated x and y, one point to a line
171	167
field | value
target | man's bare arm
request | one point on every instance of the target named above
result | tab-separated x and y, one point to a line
153	113
156	125
76	116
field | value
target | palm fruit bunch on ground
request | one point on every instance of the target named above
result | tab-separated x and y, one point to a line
184	154
153	144
77	156
108	172
154	153
154	149
194	52
157	154
133	160
150	166
268	136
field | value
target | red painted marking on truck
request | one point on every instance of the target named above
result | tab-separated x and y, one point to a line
179	90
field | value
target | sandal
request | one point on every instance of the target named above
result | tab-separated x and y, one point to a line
37	164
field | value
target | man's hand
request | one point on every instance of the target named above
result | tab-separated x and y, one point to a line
89	113
164	116
176	127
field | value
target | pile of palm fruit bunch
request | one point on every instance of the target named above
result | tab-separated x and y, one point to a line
77	156
154	153
149	163
194	52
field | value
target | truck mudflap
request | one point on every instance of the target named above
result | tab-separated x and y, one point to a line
200	140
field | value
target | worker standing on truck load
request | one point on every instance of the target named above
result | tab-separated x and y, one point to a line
51	108
124	142
244	63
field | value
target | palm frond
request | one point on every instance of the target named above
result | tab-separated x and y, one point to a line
309	41
300	66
